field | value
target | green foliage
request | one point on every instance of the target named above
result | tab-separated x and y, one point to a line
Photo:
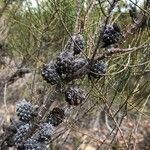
33	27
37	35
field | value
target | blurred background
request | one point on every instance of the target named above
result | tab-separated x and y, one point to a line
34	32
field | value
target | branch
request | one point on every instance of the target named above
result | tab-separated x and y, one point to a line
20	73
85	69
88	12
78	11
113	51
112	6
142	18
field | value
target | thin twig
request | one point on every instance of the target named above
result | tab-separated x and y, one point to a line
85	69
112	6
138	122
